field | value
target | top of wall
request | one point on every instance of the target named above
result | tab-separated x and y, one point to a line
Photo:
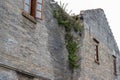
96	22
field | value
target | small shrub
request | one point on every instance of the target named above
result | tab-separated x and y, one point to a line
72	47
71	43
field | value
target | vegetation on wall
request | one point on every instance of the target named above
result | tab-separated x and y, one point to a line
70	23
72	47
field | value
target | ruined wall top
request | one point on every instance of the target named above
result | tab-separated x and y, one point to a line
95	21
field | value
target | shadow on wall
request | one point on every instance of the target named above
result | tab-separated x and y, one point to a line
57	47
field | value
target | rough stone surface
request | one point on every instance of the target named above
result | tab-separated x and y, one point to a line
30	51
6	74
96	26
39	48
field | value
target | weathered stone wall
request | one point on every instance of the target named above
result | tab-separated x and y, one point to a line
34	49
6	74
96	26
30	51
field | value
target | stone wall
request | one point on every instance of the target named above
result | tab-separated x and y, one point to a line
34	49
96	26
30	51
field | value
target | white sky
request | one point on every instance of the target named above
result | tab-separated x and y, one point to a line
110	7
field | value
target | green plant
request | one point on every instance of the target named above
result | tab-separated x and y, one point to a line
78	27
72	47
69	23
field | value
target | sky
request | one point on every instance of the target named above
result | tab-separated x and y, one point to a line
110	7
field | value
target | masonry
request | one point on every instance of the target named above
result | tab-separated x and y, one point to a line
96	27
36	50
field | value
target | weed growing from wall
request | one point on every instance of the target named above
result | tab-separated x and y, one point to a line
70	23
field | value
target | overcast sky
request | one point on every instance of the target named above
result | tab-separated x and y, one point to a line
110	7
